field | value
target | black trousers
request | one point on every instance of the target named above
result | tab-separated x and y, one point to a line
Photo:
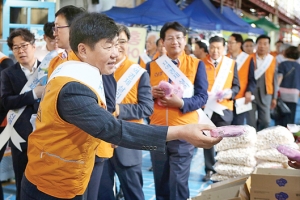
290	118
20	161
30	192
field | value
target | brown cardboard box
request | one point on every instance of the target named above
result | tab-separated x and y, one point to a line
224	190
273	184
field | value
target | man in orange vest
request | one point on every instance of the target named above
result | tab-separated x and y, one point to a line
245	67
63	20
223	86
266	85
151	48
72	116
277	51
248	46
134	103
171	170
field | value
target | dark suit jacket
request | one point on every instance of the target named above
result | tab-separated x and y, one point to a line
3	65
13	80
143	109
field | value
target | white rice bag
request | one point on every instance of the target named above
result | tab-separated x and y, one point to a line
238	156
269	164
248	139
232	170
270	137
273	154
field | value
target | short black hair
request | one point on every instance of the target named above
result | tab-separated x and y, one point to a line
125	29
248	40
279	41
90	28
48	29
24	33
263	37
238	37
217	39
70	12
171	25
292	52
202	45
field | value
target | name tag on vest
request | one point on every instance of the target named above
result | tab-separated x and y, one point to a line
241	59
263	68
126	82
212	105
82	72
145	58
174	73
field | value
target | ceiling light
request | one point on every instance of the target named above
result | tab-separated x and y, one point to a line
252	10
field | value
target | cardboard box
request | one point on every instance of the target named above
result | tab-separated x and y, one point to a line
224	190
275	184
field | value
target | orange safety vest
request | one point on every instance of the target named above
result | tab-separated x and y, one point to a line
243	74
57	60
156	55
105	149
61	156
269	75
212	73
167	115
132	95
274	53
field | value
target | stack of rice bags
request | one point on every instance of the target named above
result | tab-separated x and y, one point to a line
235	155
267	155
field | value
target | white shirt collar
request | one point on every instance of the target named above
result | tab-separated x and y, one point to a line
33	68
218	60
119	63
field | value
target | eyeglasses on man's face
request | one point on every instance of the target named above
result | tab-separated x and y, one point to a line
55	28
24	47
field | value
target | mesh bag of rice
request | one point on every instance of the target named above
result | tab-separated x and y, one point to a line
248	139
238	156
269	137
273	154
232	170
269	164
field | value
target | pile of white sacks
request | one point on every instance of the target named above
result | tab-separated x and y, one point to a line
267	155
238	156
235	155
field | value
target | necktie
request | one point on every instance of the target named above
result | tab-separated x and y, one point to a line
175	63
215	63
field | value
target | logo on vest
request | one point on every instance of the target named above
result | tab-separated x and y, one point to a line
158	74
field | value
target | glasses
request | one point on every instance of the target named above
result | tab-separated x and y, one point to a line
55	28
122	42
178	38
24	47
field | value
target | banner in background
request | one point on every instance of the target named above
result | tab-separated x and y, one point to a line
136	44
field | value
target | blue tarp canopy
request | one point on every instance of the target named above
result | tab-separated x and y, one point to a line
155	12
204	11
234	18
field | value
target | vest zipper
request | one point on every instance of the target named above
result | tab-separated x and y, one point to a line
56	156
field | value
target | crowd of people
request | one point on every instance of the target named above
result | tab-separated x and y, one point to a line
91	115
